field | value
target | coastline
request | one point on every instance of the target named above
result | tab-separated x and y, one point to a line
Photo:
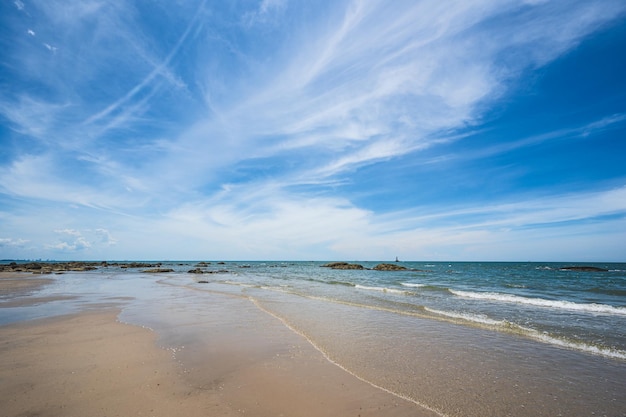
90	363
298	340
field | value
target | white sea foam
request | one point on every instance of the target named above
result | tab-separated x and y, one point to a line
594	350
413	285
504	325
475	318
540	302
382	289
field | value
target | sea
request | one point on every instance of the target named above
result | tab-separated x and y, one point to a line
459	338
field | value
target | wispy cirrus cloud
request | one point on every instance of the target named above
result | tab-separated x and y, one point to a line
277	122
400	77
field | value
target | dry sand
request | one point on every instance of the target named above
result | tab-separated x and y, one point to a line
90	364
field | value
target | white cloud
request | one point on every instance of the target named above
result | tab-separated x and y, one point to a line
363	84
70	241
264	13
85	240
10	242
105	237
403	75
19	4
31	116
50	48
70	232
259	222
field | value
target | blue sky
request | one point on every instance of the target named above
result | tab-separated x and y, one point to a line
281	129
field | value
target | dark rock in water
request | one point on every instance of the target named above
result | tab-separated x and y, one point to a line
137	265
158	270
49	267
342	265
202	264
584	269
196	271
389	267
330	265
203	282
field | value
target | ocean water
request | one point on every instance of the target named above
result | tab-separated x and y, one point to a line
579	310
463	339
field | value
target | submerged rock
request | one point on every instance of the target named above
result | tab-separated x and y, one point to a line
584	269
158	270
389	267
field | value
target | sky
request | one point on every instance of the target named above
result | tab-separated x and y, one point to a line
482	130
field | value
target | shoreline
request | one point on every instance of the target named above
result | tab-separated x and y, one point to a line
94	363
266	351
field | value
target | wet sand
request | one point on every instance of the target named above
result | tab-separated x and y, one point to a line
15	284
92	364
16	289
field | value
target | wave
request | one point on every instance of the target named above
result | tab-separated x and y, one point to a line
331	282
509	327
383	289
412	285
424	287
344	283
474	318
541	302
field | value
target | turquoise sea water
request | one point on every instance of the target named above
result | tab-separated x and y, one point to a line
464	339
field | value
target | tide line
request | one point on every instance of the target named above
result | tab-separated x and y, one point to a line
329	359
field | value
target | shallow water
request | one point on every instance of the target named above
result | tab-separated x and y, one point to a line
462	339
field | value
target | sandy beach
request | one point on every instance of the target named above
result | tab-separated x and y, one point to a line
92	364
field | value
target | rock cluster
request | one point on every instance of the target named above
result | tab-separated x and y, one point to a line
49	267
342	265
379	267
75	266
202	271
389	267
136	265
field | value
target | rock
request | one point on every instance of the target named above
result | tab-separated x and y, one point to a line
584	269
196	271
342	265
49	267
158	270
138	265
202	264
203	282
389	267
